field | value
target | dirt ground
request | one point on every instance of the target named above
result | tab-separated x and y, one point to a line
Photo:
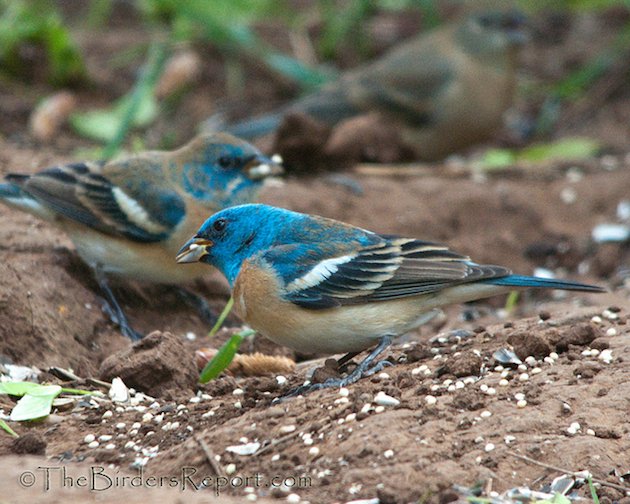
453	417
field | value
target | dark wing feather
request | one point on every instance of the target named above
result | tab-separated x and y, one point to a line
393	269
81	193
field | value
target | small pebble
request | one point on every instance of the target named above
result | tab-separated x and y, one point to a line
590	432
483	387
489	447
606	356
293	498
509	439
238	405
388	454
108	414
238	391
519	396
384	376
281	380
313	451
430	400
276	457
230	469
554	356
611	331
344	392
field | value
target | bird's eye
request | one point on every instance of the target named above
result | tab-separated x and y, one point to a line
228	162
219	225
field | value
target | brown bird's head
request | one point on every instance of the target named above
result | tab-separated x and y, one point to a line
492	33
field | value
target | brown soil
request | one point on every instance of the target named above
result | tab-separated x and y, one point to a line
329	446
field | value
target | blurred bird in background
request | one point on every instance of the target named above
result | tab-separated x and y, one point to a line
321	286
442	90
129	217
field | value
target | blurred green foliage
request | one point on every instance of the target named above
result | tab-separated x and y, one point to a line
38	22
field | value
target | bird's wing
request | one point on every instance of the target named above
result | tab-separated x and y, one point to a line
135	207
392	269
407	82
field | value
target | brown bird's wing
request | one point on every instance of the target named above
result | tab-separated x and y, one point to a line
139	210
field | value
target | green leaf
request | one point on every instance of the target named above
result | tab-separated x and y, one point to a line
17	388
5	426
497	158
37	403
226	311
564	149
224	356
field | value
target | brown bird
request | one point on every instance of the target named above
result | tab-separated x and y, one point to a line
442	90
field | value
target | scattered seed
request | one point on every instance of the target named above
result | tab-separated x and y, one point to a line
489	447
238	391
606	356
238	405
89	438
521	404
314	451
276	457
536	370
344	392
207	414
491	391
596	319
430	400
286	429
379	409
388	453
509	439
293	498
382	399
611	331
194	400
523	377
281	380
530	360
384	376
93	444
110	446
147	417
522	367
108	414
244	449
129	445
230	469
590	432
121	425
485	414
104	438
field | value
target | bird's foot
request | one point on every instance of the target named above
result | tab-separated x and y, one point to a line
364	368
113	309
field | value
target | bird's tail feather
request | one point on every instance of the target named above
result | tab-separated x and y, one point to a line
543	283
10	191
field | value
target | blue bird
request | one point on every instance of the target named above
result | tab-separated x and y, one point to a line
128	217
322	286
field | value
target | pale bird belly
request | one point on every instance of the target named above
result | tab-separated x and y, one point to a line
137	261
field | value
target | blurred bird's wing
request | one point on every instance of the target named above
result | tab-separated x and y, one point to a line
392	269
136	207
407	82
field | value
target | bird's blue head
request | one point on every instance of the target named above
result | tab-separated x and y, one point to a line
223	170
232	235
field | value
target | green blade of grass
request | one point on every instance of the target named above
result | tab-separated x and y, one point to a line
224	356
591	487
226	311
5	426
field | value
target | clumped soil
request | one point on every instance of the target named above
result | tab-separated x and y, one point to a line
453	416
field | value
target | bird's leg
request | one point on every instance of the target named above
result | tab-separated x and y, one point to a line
363	369
112	307
198	303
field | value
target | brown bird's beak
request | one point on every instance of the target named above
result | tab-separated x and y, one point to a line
261	167
194	250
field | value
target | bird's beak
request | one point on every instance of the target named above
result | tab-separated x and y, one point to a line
193	250
261	167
